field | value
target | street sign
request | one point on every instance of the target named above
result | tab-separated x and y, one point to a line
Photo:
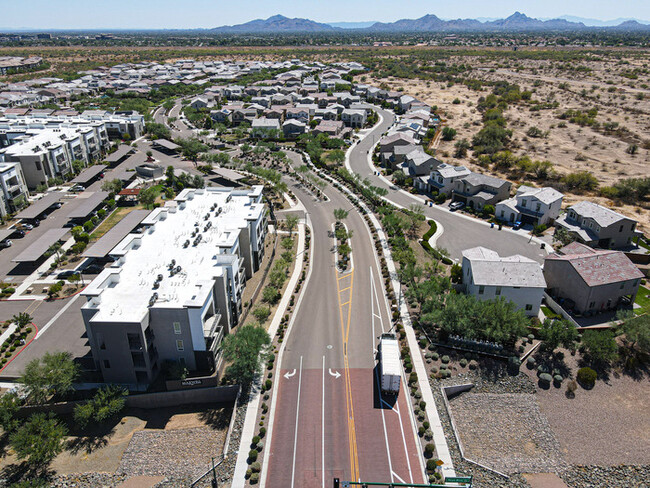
439	462
458	480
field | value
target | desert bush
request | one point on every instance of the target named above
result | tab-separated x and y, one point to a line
445	359
545	380
587	377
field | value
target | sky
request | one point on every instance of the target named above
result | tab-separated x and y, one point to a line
173	14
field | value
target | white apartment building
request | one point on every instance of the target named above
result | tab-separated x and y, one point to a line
12	187
536	206
175	290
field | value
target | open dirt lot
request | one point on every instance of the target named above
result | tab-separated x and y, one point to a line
617	86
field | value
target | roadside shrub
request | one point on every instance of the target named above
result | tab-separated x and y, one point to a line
530	362
431	465
252	455
256	467
262	431
267	384
429	449
254	479
256	439
557	380
545	380
435	356
423	404
413	378
473	365
445	359
571	388
463	362
434	369
587	378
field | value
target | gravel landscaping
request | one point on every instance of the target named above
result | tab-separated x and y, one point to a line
505	431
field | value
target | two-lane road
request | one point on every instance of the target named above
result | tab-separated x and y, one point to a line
460	232
329	420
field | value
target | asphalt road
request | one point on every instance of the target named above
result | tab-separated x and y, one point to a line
460	232
329	419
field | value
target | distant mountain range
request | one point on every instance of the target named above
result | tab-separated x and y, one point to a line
517	22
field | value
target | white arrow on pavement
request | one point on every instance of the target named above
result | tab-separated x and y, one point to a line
336	374
288	375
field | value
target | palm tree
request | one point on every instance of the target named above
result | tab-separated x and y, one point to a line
340	214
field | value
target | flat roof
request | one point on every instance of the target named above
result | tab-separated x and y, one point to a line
167	144
228	174
124	297
5	233
42	244
39	206
121	151
92	201
113	237
89	173
122	171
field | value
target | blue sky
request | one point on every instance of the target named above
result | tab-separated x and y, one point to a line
104	14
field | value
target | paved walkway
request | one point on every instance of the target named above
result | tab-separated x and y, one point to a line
250	420
10	330
544	480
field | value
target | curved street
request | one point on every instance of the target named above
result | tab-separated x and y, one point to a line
460	231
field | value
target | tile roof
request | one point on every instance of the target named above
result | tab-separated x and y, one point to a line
490	269
597	267
603	216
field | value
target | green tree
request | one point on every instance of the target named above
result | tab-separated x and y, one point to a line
107	403
399	177
340	214
147	197
416	217
600	346
78	166
336	156
246	349
158	131
637	332
448	133
22	319
580	181
462	147
52	374
39	439
557	332
112	186
9	406
291	221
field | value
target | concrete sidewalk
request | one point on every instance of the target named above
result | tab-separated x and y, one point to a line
250	424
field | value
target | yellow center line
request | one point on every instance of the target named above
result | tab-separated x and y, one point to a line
345	331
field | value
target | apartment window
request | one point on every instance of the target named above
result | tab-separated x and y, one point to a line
538	207
622	286
177	328
523	203
502	213
481	290
179	345
620	229
592	304
38	166
107	364
498	292
529	307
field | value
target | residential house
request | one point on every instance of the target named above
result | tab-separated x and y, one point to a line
354	118
442	178
199	103
488	276
591	280
299	113
477	190
263	127
240	115
388	143
535	206
330	127
598	226
292	128
419	163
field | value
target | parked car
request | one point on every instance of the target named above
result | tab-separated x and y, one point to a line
24	226
93	269
5	243
77	188
57	205
67	273
456	205
18	233
32	222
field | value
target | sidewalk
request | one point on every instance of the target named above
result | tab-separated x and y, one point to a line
250	424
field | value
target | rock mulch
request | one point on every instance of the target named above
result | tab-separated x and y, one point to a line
181	454
607	476
506	431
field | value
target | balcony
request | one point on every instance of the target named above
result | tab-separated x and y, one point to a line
212	343
210	325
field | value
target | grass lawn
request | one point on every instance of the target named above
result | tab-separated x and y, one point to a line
642	243
642	300
550	314
111	221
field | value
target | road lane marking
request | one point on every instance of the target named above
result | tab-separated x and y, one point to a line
336	374
401	425
295	435
345	330
288	375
